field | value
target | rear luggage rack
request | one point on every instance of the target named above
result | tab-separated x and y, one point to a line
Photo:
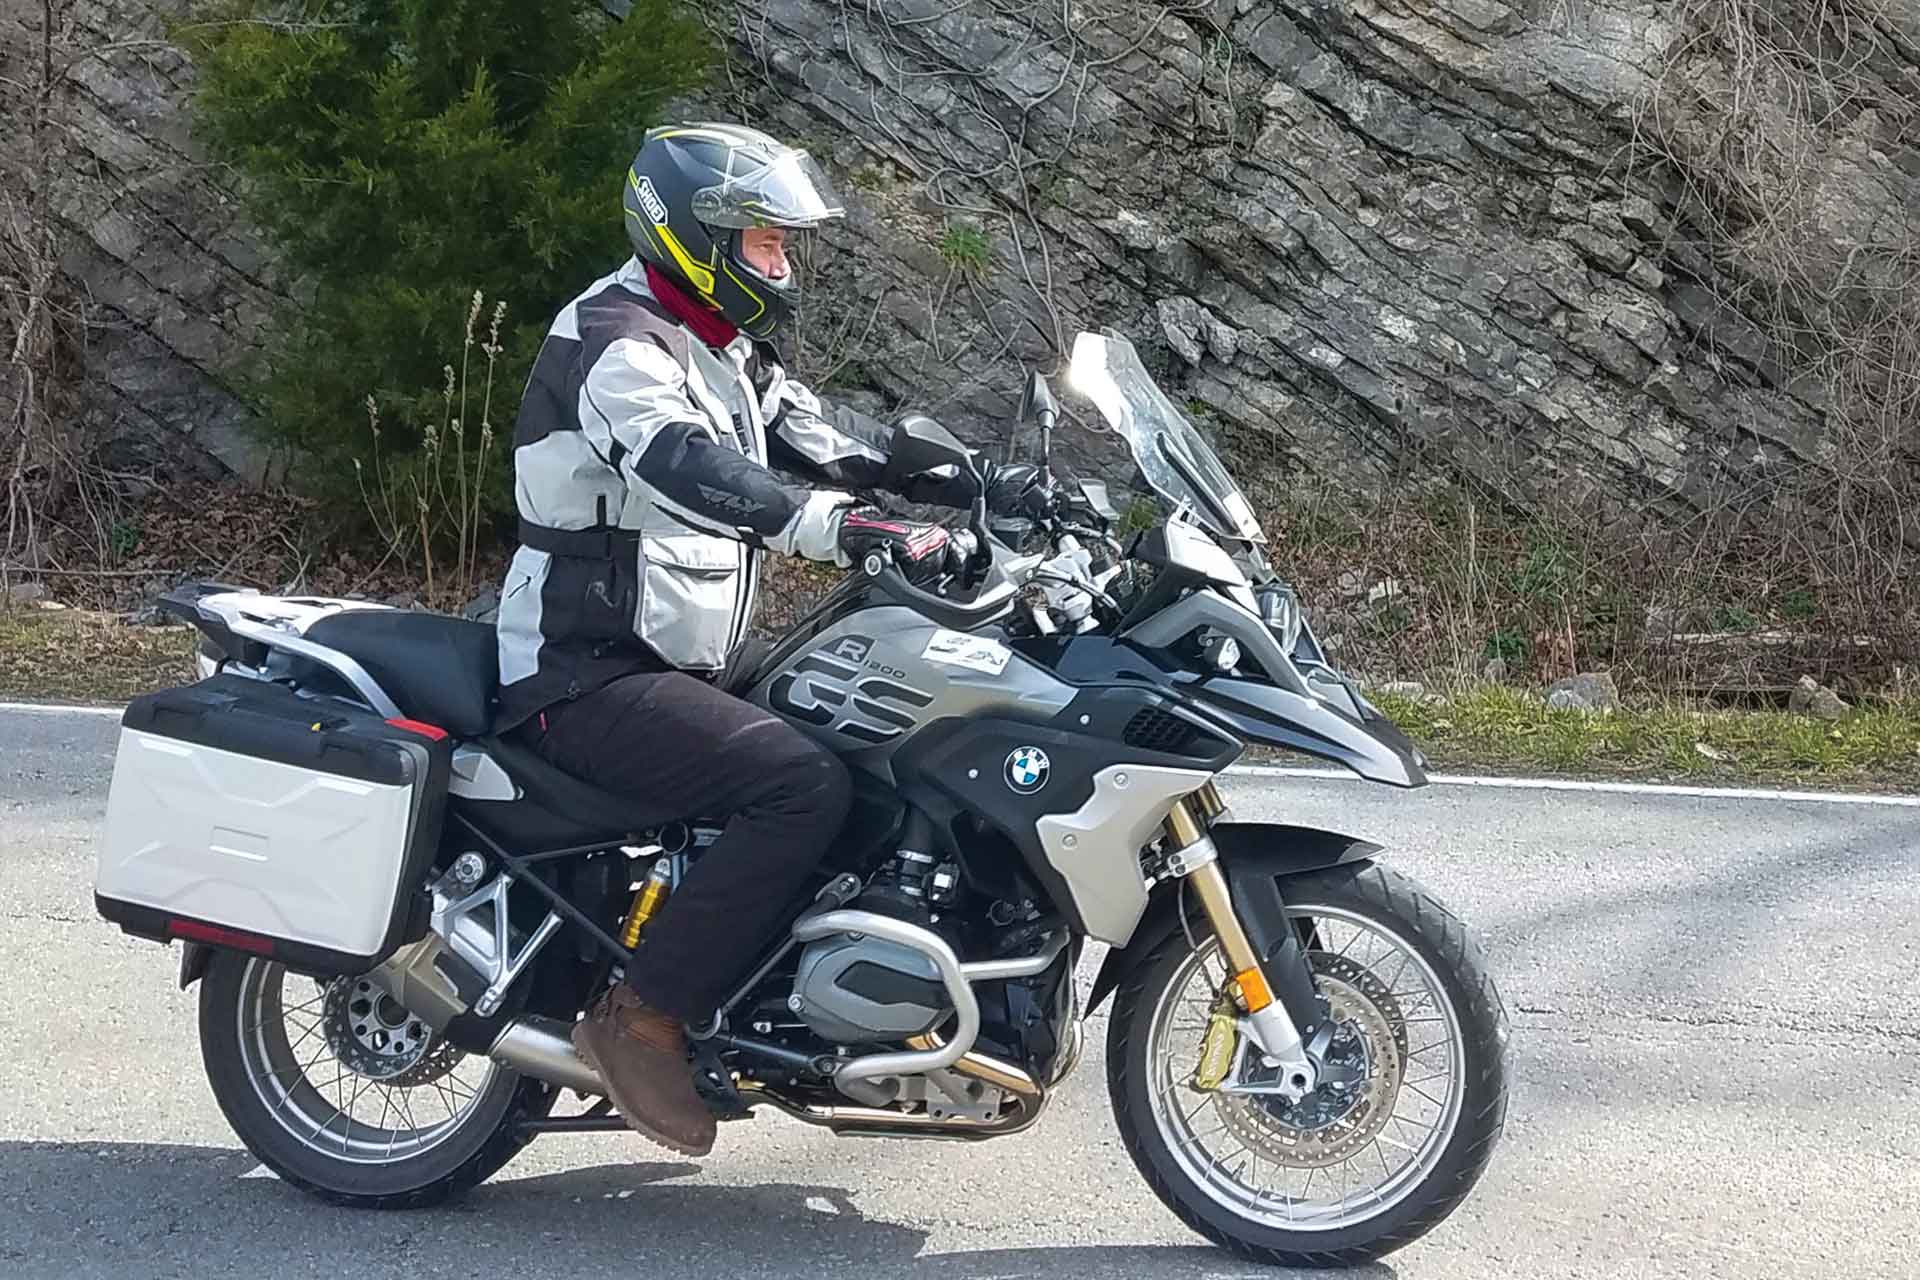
220	612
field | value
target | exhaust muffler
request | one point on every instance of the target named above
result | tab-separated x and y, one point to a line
543	1048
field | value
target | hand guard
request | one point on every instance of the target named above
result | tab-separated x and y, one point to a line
1007	484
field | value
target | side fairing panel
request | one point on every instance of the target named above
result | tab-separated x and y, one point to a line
869	681
1076	777
1079	821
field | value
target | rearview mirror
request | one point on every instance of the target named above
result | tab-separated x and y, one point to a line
1037	403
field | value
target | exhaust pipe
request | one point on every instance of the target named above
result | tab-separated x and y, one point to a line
542	1048
871	1122
978	1066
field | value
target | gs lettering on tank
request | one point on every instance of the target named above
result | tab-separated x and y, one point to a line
867	683
837	687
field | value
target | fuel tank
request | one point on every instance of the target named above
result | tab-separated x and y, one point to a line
868	681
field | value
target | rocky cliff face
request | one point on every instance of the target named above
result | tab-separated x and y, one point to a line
1548	245
172	288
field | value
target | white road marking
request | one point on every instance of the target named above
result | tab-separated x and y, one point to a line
260	1171
1577	784
1342	775
57	709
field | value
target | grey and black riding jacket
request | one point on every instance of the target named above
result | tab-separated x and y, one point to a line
641	459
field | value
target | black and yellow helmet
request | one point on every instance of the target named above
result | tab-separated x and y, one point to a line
694	188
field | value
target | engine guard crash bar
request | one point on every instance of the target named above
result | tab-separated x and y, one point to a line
540	1047
861	1079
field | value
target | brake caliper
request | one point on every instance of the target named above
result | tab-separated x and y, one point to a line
1218	1044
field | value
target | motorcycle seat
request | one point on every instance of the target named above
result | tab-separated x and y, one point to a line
444	671
438	669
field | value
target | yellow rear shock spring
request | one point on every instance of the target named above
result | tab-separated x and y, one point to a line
646	901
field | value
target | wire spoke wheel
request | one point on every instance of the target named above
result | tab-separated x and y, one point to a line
347	1072
1349	1149
1411	1100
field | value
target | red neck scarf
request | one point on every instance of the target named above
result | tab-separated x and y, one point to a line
707	324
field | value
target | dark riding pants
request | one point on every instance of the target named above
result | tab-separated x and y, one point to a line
675	747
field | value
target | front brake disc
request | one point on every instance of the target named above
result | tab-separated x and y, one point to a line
1336	1120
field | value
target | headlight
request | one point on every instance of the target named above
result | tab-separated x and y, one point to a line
1280	610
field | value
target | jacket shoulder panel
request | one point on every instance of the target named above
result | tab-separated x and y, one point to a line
618	312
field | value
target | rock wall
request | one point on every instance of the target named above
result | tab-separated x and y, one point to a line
1454	237
1369	236
172	287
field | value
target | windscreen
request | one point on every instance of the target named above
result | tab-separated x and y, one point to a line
1175	458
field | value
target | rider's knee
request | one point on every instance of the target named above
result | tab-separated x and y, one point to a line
812	784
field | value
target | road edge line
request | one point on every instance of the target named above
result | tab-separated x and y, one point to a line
1581	784
60	709
1492	782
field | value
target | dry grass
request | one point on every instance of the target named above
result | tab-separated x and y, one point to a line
1432	583
71	655
789	586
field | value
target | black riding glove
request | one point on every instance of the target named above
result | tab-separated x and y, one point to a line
1007	487
920	550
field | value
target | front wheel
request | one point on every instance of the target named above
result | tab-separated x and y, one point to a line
1363	1165
343	1093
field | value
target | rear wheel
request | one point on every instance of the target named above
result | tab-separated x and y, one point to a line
1364	1164
343	1093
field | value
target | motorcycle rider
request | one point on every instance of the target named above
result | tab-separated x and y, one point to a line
645	499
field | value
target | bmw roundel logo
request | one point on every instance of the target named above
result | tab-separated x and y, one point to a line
1027	769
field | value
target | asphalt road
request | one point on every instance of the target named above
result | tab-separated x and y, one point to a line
1716	1009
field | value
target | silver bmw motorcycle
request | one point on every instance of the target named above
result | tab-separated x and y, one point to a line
394	917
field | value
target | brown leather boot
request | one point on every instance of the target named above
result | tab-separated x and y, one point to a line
641	1055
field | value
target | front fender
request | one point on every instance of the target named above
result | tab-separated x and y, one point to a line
1255	857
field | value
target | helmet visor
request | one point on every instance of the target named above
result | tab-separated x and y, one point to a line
788	191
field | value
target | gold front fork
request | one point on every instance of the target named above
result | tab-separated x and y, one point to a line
1195	856
1192	855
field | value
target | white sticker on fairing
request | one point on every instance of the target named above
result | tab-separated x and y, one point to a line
957	649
